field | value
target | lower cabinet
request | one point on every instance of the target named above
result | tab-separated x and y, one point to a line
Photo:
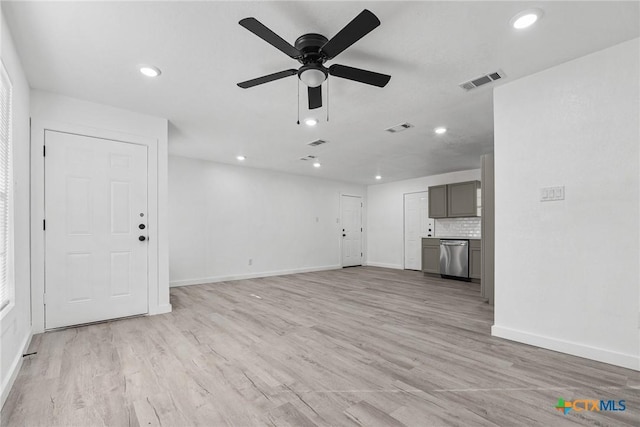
475	259
431	256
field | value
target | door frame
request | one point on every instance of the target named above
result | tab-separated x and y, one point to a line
362	221
38	272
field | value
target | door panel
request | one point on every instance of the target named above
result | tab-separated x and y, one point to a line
417	225
351	231
95	197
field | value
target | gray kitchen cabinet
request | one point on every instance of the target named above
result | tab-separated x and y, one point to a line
475	259
458	200
438	201
462	199
431	255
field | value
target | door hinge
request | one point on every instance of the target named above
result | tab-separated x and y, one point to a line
361	229
44	298
44	151
44	224
360	254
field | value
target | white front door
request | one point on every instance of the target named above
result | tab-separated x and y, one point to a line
417	225
351	231
96	214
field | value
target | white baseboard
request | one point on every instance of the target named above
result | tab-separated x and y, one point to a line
385	265
14	369
161	309
215	279
629	361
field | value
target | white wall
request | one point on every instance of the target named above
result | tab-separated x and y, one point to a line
223	215
567	272
15	320
61	113
385	215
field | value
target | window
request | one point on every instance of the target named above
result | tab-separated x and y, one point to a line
6	228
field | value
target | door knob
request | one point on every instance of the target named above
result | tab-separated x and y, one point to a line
344	235
141	226
142	238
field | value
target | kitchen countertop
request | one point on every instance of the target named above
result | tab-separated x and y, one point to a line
454	238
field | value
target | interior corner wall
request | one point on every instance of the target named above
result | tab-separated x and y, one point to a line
567	273
15	319
55	112
221	216
385	215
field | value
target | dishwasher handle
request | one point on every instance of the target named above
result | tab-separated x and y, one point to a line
444	243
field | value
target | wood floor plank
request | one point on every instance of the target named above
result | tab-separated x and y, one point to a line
358	346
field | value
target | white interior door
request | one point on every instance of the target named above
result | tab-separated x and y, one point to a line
96	214
417	225
351	231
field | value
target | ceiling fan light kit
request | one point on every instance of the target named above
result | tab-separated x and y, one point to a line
313	50
312	75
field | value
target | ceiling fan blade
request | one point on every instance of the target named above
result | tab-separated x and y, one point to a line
351	33
267	78
358	75
257	28
315	97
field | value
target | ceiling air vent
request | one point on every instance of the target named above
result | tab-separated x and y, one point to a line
482	80
399	128
317	142
309	157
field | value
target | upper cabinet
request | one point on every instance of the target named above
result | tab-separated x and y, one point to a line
457	200
462	199
438	201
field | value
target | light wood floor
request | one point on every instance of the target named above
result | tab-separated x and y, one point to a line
355	347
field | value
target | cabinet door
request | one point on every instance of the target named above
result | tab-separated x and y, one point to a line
431	259
462	199
475	263
438	201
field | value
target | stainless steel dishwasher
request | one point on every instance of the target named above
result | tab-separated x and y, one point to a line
454	259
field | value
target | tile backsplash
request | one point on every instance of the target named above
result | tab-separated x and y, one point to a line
458	227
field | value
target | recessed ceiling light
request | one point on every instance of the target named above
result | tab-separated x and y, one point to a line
311	122
526	18
378	177
316	164
240	158
440	130
150	70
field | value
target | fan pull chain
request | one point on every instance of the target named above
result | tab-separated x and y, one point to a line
298	122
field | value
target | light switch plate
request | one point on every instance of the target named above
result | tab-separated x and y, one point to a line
548	194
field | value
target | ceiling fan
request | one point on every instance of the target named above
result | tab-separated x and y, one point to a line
313	50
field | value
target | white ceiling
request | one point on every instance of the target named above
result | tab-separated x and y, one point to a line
91	50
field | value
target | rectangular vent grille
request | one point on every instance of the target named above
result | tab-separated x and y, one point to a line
482	80
317	142
399	128
309	157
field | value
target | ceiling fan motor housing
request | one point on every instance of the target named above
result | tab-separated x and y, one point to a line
309	45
